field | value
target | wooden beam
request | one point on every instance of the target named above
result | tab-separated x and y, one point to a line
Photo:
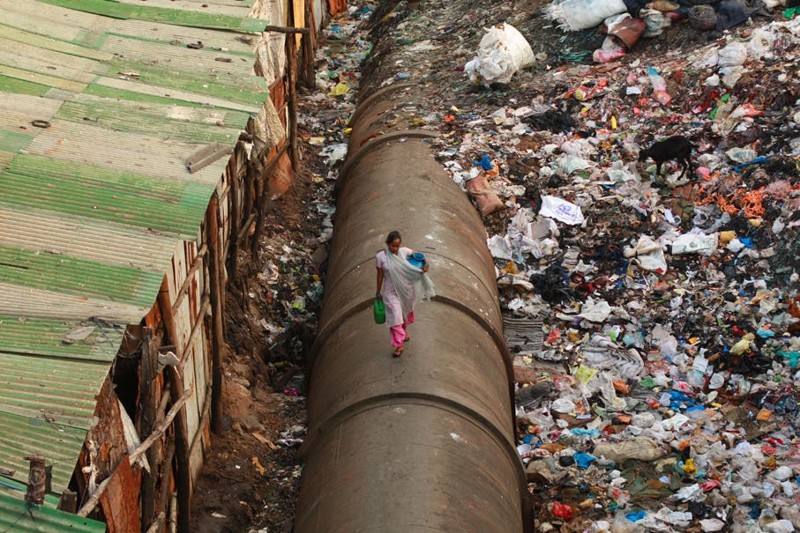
246	227
165	485
147	419
205	305
196	264
247	209
176	409
158	523
203	419
173	513
217	330
235	215
68	501
285	29
183	473
162	428
205	156
291	75
309	46
168	317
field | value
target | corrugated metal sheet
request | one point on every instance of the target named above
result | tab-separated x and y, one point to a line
101	105
95	341
24	435
17	517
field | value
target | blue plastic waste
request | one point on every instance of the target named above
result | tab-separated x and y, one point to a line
635	516
756	161
485	162
583	460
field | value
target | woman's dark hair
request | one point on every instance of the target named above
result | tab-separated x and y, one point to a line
393	236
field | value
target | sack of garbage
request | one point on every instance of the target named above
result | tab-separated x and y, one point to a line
486	199
502	52
703	18
731	13
576	15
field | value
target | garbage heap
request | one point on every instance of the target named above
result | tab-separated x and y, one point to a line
626	21
655	320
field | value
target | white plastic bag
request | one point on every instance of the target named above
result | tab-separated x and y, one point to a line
647	254
502	52
562	210
733	55
695	243
576	15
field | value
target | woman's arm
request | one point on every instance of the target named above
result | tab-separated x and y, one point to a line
380	282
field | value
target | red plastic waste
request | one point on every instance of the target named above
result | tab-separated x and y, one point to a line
562	510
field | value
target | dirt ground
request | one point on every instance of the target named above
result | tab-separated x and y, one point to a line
250	480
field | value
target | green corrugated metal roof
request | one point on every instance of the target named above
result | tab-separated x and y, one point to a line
94	205
16	516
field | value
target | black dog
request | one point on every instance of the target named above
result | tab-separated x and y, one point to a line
678	147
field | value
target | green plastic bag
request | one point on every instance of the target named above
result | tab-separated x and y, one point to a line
379	311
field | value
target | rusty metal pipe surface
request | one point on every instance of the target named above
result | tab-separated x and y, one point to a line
424	442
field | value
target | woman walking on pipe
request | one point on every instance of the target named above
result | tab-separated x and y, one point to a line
402	282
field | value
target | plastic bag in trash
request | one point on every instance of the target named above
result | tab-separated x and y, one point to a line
576	15
647	254
656	22
561	210
502	52
625	28
609	51
695	243
733	55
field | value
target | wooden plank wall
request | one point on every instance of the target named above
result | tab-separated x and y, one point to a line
179	406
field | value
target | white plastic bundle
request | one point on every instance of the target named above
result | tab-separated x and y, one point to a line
502	52
576	15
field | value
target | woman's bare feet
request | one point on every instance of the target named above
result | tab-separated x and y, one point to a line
398	351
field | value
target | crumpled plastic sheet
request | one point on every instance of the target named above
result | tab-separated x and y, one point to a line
604	354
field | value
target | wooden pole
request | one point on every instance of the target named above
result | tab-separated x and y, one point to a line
165	305
68	501
264	200
147	420
177	409
289	30
249	182
309	46
174	527
291	75
166	477
183	473
158	523
235	216
196	263
218	329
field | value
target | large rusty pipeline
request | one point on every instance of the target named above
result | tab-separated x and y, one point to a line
424	442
